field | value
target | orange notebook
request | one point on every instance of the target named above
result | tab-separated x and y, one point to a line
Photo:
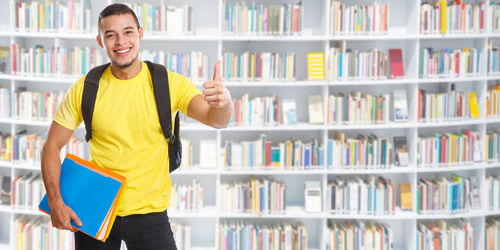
93	192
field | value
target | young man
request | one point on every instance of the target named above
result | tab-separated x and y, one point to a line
127	137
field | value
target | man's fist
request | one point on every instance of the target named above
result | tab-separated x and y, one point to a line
215	94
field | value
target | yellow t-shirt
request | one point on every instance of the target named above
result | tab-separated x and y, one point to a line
126	134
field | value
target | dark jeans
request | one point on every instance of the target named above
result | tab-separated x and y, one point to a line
139	231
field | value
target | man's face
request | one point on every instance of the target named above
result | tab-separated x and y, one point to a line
120	38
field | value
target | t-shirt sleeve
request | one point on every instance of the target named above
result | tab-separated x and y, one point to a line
69	114
184	91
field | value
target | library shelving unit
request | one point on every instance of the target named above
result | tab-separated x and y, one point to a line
207	36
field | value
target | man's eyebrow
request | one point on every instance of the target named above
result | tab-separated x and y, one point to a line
126	28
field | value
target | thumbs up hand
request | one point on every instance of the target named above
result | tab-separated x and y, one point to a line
215	94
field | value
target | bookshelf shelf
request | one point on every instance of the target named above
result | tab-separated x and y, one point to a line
28	211
391	125
393	170
208	37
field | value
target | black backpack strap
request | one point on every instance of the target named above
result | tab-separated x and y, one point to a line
90	87
159	77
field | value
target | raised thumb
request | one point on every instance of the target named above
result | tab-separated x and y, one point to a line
217	76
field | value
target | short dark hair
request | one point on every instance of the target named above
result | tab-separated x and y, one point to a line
117	9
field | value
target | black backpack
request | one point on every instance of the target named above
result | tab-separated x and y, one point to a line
159	77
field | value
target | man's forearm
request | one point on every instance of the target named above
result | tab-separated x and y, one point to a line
220	117
51	171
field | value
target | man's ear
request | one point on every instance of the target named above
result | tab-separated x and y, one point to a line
99	41
141	33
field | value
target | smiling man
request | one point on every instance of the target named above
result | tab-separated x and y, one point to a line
127	137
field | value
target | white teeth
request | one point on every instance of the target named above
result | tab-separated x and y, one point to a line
123	51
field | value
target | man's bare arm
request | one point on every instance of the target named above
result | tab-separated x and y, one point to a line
61	214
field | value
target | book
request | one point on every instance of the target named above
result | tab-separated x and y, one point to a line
208	149
312	193
316	66
396	61
400	106
315	109
405	196
474	112
401	150
93	193
289	114
5	190
4	58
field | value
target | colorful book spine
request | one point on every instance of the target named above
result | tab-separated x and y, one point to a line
51	16
193	65
255	196
346	19
240	19
38	233
455	17
182	234
492	146
358	108
363	152
446	195
359	235
449	149
258	111
234	235
36	106
368	196
492	233
57	61
187	198
442	234
262	154
351	64
449	62
260	66
446	106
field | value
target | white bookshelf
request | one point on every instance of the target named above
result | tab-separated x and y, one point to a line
207	15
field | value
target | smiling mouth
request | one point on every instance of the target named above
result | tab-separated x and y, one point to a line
123	52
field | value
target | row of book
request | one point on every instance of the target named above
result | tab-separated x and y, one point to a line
492	145
193	65
449	62
37	106
364	196
260	154
447	106
492	102
492	233
27	191
258	66
493	57
358	19
449	149
353	64
187	198
261	111
5	190
448	195
286	19
444	16
358	108
360	152
51	16
38	233
359	235
245	235
59	60
257	196
445	235
492	184
164	19
182	234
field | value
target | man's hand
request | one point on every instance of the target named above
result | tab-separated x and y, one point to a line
215	94
61	216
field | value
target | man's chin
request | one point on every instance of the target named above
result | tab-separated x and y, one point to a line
124	64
